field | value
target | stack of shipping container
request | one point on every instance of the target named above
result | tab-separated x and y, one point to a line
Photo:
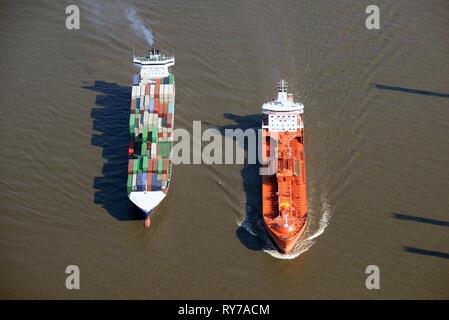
151	134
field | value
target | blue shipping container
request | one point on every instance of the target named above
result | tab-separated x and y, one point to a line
140	182
135	79
153	181
144	179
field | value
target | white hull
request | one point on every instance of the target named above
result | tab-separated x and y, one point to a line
147	201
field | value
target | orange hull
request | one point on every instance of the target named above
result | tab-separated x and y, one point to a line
284	199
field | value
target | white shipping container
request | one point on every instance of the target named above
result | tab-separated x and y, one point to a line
152	91
147	102
134	187
159	123
133	92
161	91
145	117
169	89
153	150
142	90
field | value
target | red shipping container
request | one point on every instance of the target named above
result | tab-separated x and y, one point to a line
133	104
156	88
130	165
131	148
169	120
165	109
148	184
164	177
156	105
165	166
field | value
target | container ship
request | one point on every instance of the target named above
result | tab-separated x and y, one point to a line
284	199
151	131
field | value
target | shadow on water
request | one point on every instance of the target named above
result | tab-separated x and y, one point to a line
413	91
425	252
408	217
251	184
110	117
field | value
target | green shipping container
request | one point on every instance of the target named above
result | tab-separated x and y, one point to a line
171	79
132	119
144	149
154	134
145	164
136	165
159	167
145	134
129	184
164	149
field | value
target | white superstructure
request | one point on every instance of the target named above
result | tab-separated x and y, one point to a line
283	114
154	66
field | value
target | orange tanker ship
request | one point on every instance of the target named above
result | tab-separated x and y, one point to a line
284	199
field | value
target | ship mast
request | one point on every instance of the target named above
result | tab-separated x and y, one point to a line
282	90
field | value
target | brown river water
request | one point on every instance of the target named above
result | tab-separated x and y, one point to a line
377	150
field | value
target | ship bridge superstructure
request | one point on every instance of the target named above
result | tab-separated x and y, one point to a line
154	65
283	114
